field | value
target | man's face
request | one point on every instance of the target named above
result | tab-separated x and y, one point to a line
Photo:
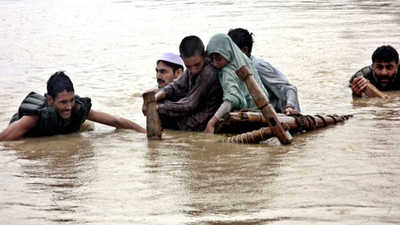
385	72
164	75
194	64
218	61
63	104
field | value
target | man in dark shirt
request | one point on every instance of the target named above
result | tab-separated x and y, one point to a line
383	73
192	99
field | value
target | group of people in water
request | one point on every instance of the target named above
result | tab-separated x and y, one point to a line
191	99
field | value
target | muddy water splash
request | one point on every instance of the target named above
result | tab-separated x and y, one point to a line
347	174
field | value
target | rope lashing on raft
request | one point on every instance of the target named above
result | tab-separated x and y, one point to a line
251	137
323	120
295	123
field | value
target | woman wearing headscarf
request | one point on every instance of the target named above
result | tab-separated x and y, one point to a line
228	58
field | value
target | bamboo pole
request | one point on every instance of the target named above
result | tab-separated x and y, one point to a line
153	123
264	105
257	117
251	137
293	123
372	92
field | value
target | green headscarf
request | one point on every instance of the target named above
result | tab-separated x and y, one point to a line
235	90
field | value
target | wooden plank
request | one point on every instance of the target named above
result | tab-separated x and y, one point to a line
264	105
372	92
153	123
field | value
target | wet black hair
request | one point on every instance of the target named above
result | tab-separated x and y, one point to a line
173	66
242	38
191	46
385	53
57	83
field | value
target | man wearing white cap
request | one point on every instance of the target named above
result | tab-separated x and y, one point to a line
169	67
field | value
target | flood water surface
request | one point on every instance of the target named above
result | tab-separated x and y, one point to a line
344	174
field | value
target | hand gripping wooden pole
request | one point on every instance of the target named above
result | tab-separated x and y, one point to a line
264	105
153	123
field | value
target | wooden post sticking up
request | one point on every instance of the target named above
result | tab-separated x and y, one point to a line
264	105
153	123
372	92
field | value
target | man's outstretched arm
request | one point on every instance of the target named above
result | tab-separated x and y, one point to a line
18	128
110	120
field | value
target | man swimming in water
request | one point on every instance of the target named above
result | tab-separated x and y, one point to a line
383	73
60	111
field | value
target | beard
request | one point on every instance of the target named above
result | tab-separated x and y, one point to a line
384	80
